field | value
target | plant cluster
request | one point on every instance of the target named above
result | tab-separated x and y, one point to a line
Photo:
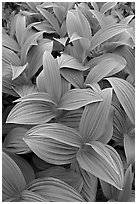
68	85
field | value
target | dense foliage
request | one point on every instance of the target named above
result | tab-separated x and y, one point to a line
68	82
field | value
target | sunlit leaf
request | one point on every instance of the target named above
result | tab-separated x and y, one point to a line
31	112
67	61
20	26
73	76
13	181
10	57
54	142
14	141
126	20
126	95
17	70
107	6
10	43
67	175
107	66
52	78
29	196
55	190
76	98
103	162
106	33
35	56
95	116
25	90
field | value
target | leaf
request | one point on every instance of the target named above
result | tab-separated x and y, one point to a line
20	26
107	6
10	43
127	19
95	6
73	76
52	78
35	56
125	194
109	191
31	112
76	98
14	141
129	146
17	70
67	175
90	182
10	57
24	166
95	116
65	85
24	90
29	196
103	162
71	118
31	40
107	66
106	33
55	190
51	19
67	61
126	95
54	142
11	185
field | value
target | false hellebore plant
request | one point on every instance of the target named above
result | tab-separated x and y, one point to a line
74	108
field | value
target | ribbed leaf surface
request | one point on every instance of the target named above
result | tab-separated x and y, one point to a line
54	142
52	78
129	146
126	95
29	196
107	6
9	42
31	112
76	98
95	116
13	181
67	175
55	190
103	162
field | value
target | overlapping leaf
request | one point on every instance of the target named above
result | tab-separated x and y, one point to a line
10	57
52	78
95	117
106	33
17	70
55	190
107	6
13	180
54	142
67	175
126	95
14	141
31	112
107	66
9	42
129	146
29	196
76	98
103	162
20	26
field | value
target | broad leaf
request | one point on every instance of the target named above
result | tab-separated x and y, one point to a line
76	98
14	141
29	196
13	181
52	78
31	112
103	162
10	43
106	33
10	57
51	19
90	182
20	26
35	56
107	6
67	61
31	40
18	70
67	175
73	76
54	142
107	66
109	191
55	190
24	90
95	116
126	95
